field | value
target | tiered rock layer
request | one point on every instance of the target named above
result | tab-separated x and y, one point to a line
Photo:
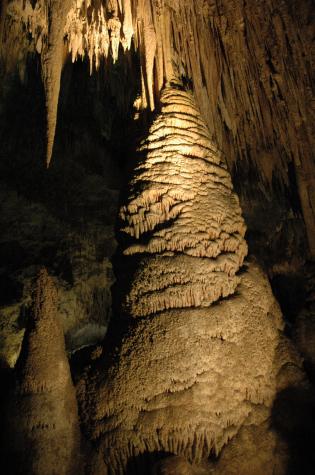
198	356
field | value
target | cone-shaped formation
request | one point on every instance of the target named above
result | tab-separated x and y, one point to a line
187	375
181	206
43	430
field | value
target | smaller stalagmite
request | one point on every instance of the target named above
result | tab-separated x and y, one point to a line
43	435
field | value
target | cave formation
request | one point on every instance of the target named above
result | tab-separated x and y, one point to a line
157	279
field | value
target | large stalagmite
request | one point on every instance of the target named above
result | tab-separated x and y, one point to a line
42	435
197	356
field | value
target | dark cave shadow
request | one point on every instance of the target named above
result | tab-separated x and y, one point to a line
309	368
92	135
143	464
290	292
293	418
7	382
84	148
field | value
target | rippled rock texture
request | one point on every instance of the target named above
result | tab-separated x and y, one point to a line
200	343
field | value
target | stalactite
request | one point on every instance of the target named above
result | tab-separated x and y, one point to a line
52	60
148	46
114	27
127	24
149	39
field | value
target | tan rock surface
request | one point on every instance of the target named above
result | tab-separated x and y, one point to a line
201	346
43	434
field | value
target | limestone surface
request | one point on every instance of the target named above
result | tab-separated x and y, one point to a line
42	433
199	344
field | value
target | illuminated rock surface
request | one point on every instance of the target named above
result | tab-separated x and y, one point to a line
200	348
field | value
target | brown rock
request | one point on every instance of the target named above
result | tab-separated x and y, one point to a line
43	427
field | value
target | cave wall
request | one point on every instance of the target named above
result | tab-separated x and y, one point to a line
250	67
62	218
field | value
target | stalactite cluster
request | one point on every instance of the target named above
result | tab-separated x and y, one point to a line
98	29
19	21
